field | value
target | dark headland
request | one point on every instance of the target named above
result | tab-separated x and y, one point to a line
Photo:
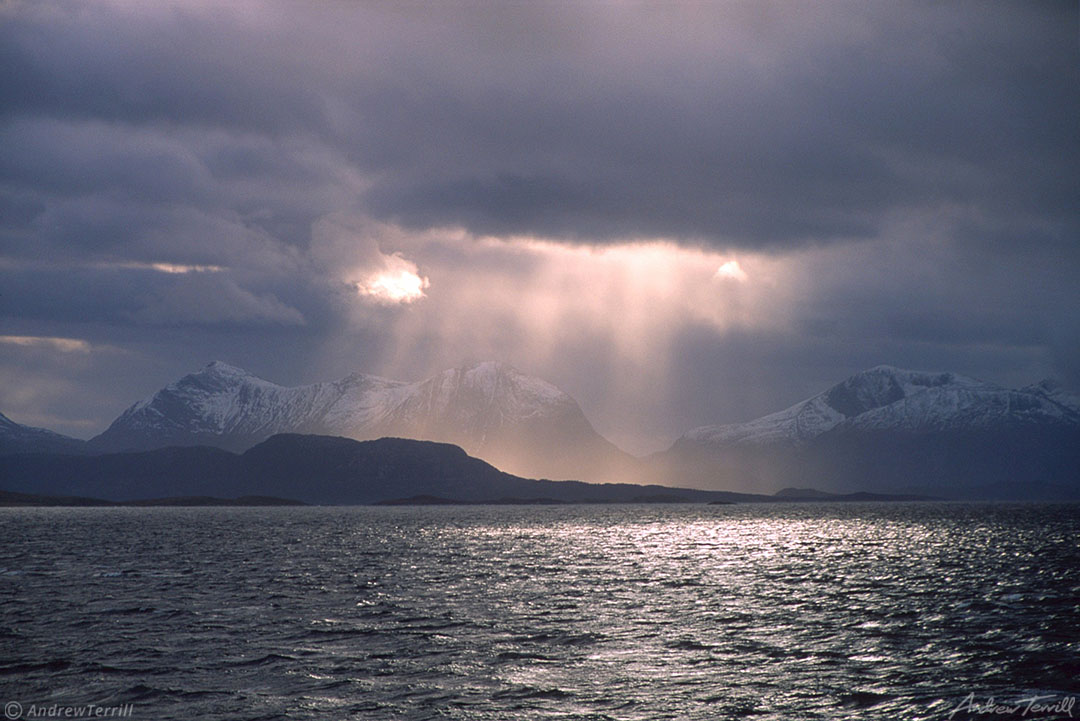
322	470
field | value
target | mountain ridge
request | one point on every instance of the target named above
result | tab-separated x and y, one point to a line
20	438
894	397
885	429
900	430
518	422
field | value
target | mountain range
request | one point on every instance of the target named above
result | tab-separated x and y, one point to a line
519	423
901	430
884	430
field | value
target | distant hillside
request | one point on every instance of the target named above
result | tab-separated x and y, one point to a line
312	469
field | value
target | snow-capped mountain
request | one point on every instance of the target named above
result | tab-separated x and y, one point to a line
890	398
19	438
883	430
225	406
892	429
517	422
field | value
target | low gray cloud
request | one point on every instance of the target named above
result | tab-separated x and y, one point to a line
207	298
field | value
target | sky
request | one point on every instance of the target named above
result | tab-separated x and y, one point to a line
681	213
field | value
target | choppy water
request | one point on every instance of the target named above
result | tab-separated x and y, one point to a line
583	612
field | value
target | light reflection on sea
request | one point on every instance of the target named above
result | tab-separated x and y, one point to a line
593	612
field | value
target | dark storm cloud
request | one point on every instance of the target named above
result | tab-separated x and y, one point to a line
132	64
140	296
736	124
871	109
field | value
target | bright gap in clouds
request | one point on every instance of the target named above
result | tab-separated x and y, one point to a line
170	268
610	313
529	298
64	345
605	322
635	290
349	248
399	285
731	269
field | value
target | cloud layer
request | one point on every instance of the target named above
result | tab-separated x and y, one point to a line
682	213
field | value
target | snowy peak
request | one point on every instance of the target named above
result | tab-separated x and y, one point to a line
493	410
884	385
213	379
897	431
888	398
9	428
519	422
220	402
949	402
223	372
18	438
223	369
1052	390
218	376
498	387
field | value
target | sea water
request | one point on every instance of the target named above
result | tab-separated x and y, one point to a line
816	611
